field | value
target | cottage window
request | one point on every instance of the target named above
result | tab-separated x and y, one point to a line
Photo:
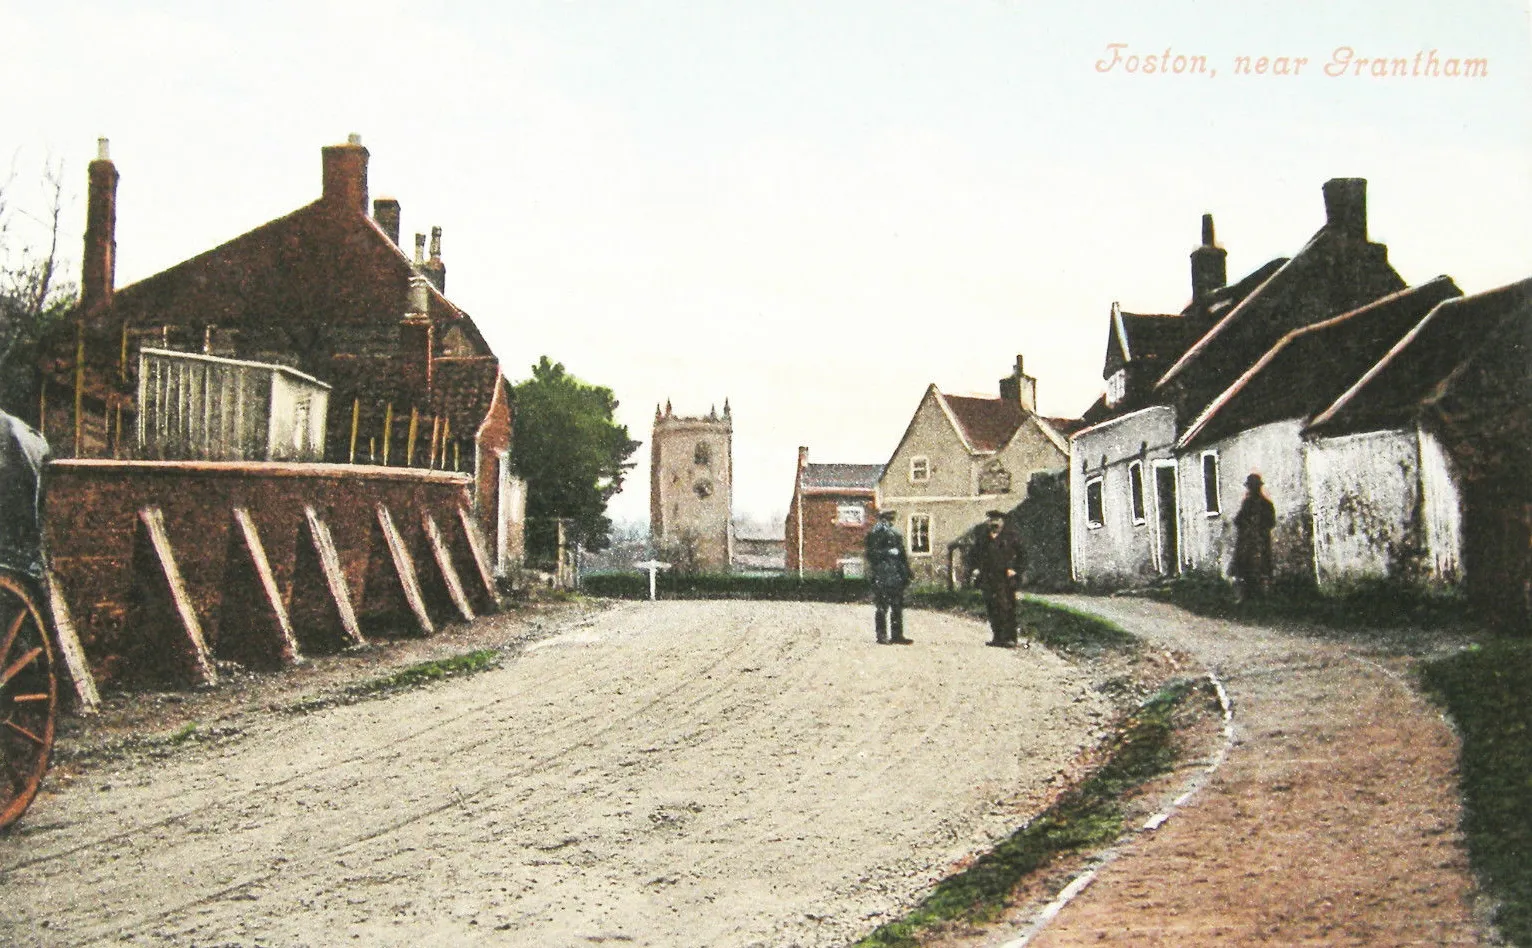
920	470
920	533
1210	483
1116	387
1095	506
850	515
703	453
1136	491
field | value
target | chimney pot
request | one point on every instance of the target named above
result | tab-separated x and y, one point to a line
353	139
1210	263
420	249
434	269
385	211
1346	207
103	150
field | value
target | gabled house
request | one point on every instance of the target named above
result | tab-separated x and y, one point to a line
326	291
1421	471
1137	511
962	455
1123	489
833	507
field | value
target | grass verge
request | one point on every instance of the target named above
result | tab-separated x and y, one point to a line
1084	818
1058	627
1488	693
1367	605
414	675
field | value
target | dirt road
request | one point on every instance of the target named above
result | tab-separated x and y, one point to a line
665	774
1332	821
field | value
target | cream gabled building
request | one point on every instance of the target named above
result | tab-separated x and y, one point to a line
962	456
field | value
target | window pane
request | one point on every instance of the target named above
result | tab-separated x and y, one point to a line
1095	513
920	533
1210	482
1136	491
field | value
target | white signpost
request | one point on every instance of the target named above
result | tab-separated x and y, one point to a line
653	566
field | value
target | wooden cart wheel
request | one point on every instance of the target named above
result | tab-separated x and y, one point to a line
28	698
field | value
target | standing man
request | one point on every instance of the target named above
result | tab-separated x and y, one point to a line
888	569
996	566
1252	540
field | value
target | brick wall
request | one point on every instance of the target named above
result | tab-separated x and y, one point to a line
92	525
825	540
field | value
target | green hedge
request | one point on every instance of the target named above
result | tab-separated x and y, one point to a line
1488	693
671	585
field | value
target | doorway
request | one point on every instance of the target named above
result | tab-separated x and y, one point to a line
1168	553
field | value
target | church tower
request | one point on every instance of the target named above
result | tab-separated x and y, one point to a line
691	486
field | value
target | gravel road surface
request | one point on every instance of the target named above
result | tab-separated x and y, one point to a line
667	774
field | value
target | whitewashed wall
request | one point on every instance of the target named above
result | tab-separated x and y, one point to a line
1385	505
1275	451
1120	551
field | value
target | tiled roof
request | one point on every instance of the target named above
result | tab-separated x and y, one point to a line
987	423
1309	367
1424	363
1065	426
830	477
1333	273
1145	338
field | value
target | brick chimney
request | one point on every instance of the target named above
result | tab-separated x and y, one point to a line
1020	387
385	210
99	271
1346	207
417	343
345	174
434	269
1210	263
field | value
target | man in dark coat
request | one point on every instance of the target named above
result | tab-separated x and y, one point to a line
888	571
1252	540
996	566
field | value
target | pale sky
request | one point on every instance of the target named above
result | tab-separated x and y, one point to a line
812	208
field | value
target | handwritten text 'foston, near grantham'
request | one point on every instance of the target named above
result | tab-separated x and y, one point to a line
1344	61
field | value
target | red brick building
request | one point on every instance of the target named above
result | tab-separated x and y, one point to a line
326	290
833	507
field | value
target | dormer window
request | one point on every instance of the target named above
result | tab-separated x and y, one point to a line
1116	387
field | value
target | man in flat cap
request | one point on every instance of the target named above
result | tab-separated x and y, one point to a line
1252	540
888	571
996	566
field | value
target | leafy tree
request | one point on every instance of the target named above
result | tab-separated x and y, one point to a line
33	296
572	454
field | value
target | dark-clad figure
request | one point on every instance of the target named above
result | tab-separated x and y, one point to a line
1252	540
996	566
888	571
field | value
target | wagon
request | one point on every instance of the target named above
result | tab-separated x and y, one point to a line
29	694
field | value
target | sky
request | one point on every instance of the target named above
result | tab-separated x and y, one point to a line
813	209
